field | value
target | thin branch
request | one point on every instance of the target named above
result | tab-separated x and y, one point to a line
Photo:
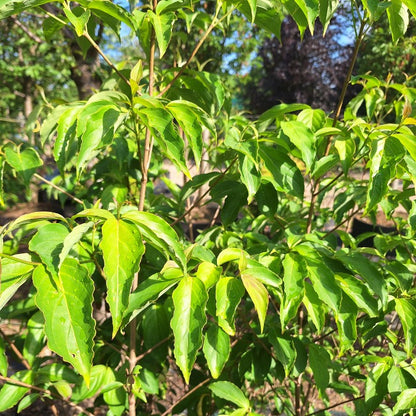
19	260
58	188
168	411
15	350
14	382
199	199
151	349
342	223
100	51
211	27
25	29
335	405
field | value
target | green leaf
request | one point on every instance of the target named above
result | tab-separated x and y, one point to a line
10	394
160	123
378	187
284	350
189	299
346	149
398	19
27	401
408	141
405	402
297	10
4	364
258	294
123	249
302	137
286	176
320	363
277	112
376	385
216	349
406	309
324	165
72	239
163	25
326	11
13	274
208	273
66	303
361	265
79	22
294	289
229	391
158	233
151	289
314	306
10	7
25	162
250	176
228	294
346	319
34	341
267	199
99	213
230	254
111	9
47	243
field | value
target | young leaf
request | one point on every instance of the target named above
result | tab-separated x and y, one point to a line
229	391
398	19
208	273
162	24
258	294
66	304
216	349
405	402
122	252
159	233
189	299
228	294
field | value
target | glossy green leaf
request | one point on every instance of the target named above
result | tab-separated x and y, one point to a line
208	273
216	349
10	7
408	141
406	309
57	371
123	249
99	213
398	19
293	281
250	177
48	243
406	401
326	11
320	363
72	239
78	21
158	233
228	294
10	394
25	162
112	9
162	25
346	150
267	199
302	137
13	274
66	303
34	341
262	274
298	12
27	401
230	254
160	123
378	187
376	385
314	306
189	299
286	176
258	294
278	111
229	391
324	165
151	289
346	319
284	351
361	265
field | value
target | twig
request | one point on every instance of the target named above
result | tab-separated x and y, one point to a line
25	29
342	222
19	260
9	380
100	51
151	349
199	199
168	411
335	405
15	350
58	188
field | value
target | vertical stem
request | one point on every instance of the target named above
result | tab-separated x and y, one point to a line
145	161
315	186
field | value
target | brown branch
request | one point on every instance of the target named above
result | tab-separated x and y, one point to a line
9	380
15	350
342	222
168	411
58	188
200	198
335	405
151	349
25	29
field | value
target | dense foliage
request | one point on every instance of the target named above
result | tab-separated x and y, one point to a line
276	307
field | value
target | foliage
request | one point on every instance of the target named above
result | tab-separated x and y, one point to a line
271	306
